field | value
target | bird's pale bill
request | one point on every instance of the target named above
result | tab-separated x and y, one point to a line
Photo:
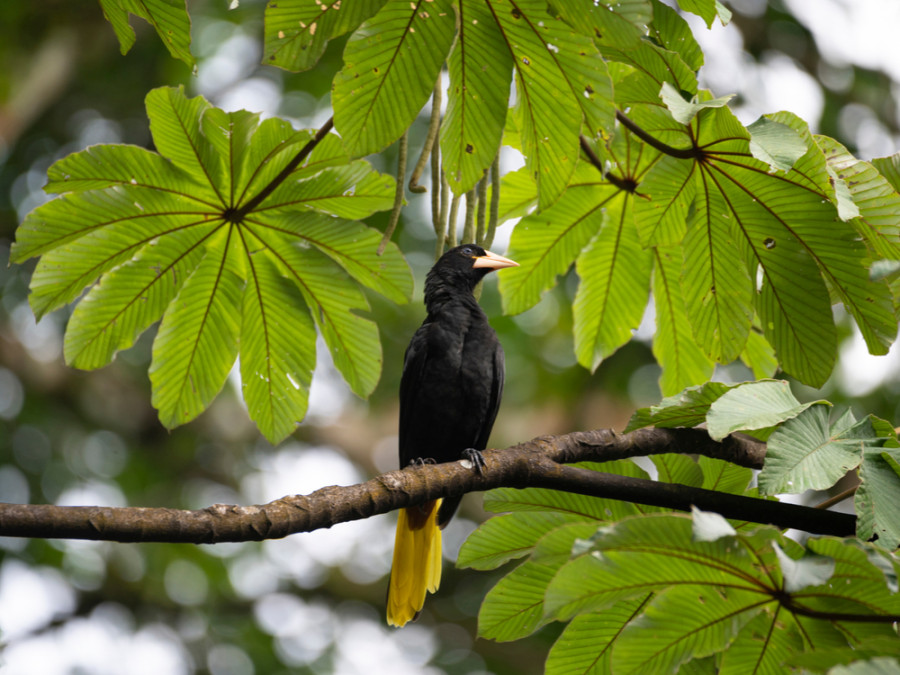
493	261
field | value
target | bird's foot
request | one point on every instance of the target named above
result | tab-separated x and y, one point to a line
421	461
476	457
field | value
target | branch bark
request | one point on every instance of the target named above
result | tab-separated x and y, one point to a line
541	462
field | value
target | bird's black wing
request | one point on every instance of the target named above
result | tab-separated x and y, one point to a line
498	368
411	382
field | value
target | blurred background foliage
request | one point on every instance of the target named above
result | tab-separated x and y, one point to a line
311	603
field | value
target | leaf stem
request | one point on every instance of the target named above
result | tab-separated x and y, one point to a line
681	153
622	184
240	213
469	226
831	501
451	221
428	149
481	215
402	147
495	202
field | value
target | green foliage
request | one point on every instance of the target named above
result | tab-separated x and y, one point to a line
241	237
648	595
805	450
168	17
743	236
181	236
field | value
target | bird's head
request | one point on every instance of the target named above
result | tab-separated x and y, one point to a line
461	268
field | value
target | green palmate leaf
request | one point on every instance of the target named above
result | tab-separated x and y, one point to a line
661	220
278	347
683	363
103	166
545	244
686	409
759	240
709	619
856	584
518	195
585	508
623	27
168	17
889	167
334	301
673	32
587	77
175	126
151	229
708	10
762	647
480	66
131	298
793	298
83	235
876	198
724	476
197	340
612	295
514	608
808	453
715	281
678	469
503	538
752	406
639	556
876	499
776	144
297	31
390	65
586	644
352	245
546	111
684	111
809	219
349	191
759	356
637	88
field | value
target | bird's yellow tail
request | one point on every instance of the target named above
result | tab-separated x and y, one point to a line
417	562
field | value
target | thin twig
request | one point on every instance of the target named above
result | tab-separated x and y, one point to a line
398	193
429	148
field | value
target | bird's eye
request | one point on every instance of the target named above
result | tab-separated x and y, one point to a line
468	250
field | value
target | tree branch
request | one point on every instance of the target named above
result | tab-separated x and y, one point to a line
540	462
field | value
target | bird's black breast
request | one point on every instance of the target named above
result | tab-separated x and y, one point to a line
451	385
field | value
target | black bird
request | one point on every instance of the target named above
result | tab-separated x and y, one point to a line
449	395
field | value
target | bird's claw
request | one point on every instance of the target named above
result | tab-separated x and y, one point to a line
422	461
476	457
